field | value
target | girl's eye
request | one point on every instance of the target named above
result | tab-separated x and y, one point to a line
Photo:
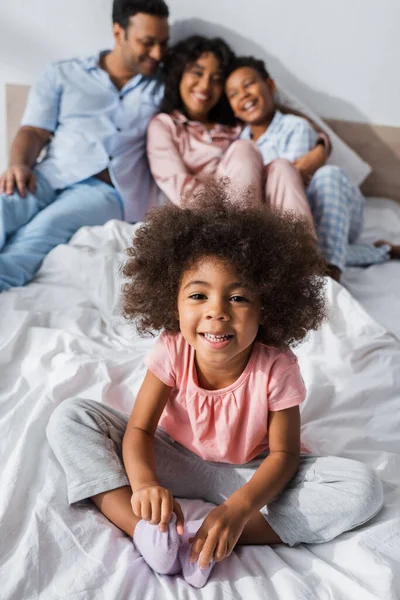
197	296
217	79
196	73
239	299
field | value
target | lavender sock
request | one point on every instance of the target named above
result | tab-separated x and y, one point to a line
159	549
191	571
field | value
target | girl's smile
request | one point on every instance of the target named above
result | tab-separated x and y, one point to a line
250	96
249	105
218	316
217	340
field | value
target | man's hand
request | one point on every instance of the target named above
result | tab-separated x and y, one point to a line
219	533
20	176
155	504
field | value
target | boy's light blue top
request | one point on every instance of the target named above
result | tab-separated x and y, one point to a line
95	126
287	136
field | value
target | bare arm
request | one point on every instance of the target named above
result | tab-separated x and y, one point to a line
310	162
137	445
150	501
279	467
26	147
222	528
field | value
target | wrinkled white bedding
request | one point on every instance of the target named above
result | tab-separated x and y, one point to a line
61	336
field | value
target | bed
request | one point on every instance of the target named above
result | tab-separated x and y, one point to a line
61	336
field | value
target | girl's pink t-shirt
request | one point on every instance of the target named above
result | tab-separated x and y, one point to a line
231	424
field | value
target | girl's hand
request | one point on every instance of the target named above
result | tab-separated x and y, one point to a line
309	163
306	171
155	504
218	534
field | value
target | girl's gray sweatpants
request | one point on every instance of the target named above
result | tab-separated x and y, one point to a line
327	496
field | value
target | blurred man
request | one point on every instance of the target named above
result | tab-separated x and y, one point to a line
89	119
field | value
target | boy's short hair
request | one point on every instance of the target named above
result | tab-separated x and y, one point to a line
123	10
274	254
249	61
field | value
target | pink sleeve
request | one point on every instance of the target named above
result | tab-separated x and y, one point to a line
286	386
160	362
167	167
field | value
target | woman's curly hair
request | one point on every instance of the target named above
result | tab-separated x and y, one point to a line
273	253
179	58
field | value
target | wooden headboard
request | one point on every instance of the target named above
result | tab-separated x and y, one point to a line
377	145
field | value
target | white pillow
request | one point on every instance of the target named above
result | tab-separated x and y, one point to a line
342	155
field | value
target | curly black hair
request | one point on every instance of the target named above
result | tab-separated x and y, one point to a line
248	61
273	253
124	9
182	55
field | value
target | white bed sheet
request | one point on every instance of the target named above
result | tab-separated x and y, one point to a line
378	287
61	337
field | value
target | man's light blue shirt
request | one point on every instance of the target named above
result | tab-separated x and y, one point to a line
96	126
287	136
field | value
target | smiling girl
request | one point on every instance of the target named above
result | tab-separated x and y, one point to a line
195	136
336	204
217	416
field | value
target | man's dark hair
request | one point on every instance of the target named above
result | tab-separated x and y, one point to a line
124	9
249	61
179	58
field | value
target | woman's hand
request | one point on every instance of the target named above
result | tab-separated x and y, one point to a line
219	533
155	504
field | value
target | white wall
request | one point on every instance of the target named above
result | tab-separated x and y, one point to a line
340	56
35	32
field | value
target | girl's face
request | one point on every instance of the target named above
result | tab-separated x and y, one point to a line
251	97
201	86
218	315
